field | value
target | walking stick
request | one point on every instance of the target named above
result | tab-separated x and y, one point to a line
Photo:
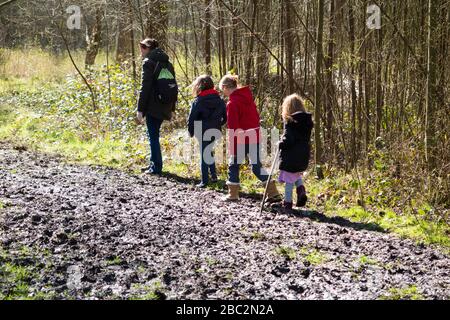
270	177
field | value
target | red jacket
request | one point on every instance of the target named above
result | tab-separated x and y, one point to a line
243	118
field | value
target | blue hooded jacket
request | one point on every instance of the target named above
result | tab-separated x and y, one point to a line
208	108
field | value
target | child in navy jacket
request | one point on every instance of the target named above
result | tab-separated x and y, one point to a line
208	115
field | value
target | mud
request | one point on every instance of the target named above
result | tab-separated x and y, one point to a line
98	233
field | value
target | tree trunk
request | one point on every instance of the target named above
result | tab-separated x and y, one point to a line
234	40
124	34
329	60
208	4
248	64
132	42
431	98
158	21
351	21
123	49
93	38
262	60
221	41
318	89
288	36
379	88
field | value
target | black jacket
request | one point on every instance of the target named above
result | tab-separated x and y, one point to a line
148	103
210	110
295	143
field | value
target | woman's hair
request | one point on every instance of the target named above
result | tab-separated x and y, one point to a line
229	81
292	104
202	83
149	43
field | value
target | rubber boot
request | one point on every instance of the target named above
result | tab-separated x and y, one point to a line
287	207
301	196
272	193
233	192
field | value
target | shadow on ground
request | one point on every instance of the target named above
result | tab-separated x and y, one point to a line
220	186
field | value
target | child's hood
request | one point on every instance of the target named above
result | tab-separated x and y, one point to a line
302	119
210	99
212	104
243	94
158	55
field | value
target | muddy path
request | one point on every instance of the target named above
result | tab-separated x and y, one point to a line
96	233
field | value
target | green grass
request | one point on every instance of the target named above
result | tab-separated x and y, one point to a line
385	205
147	292
314	256
286	252
211	261
45	135
408	293
14	64
113	261
407	226
15	281
16	85
258	236
364	260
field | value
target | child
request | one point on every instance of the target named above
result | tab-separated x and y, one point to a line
294	149
244	137
209	111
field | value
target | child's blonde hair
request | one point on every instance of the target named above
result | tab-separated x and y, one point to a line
292	104
202	83
229	81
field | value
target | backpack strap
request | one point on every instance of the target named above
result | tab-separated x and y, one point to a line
156	68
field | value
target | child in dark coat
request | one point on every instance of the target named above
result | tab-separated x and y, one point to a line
294	149
208	113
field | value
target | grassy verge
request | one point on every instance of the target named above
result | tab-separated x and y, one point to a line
415	220
31	129
16	278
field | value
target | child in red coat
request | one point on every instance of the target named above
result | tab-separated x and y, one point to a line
243	137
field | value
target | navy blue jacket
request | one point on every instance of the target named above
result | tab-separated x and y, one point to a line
210	109
295	143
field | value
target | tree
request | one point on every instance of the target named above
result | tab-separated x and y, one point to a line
3	4
288	37
124	34
351	22
93	38
318	89
207	27
431	94
329	82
